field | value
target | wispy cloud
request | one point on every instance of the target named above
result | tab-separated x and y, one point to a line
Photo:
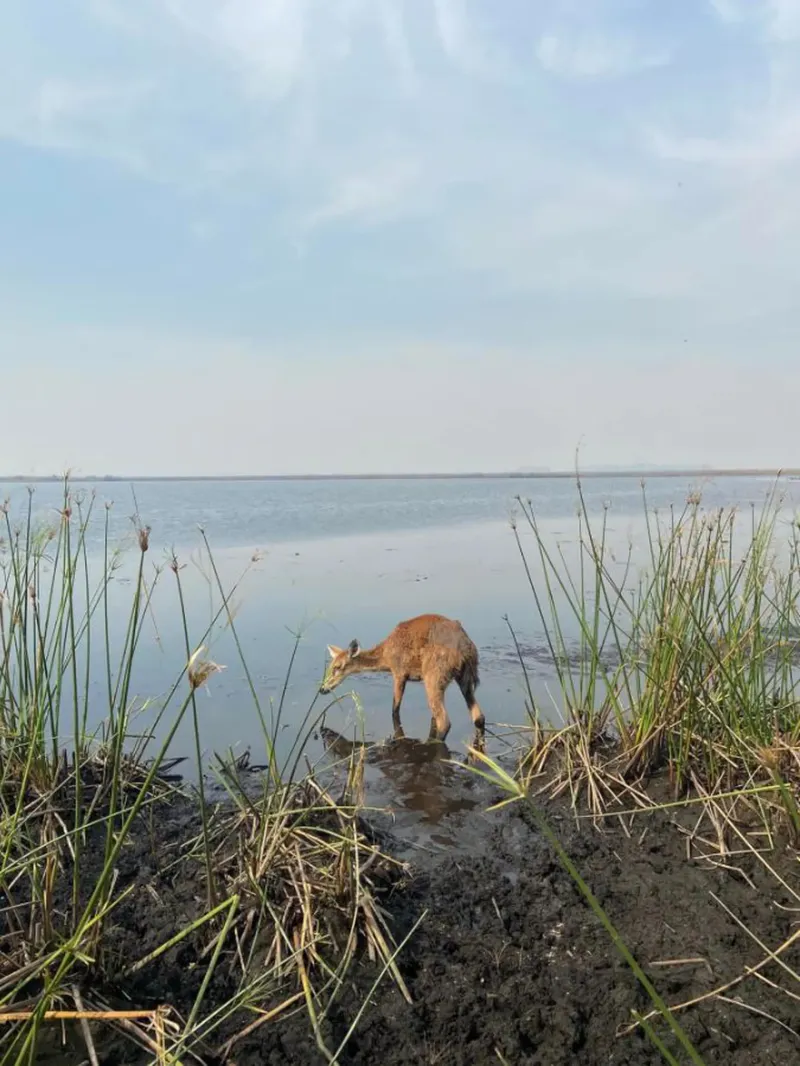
595	55
777	19
761	142
496	148
784	19
731	10
57	101
493	200
379	194
398	45
75	116
114	13
463	42
264	43
760	131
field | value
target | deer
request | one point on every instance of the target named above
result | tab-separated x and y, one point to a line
429	648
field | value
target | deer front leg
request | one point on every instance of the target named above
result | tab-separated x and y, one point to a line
397	699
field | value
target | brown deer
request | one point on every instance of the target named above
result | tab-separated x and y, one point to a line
430	648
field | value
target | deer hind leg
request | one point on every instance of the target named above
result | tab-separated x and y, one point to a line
434	690
467	687
397	699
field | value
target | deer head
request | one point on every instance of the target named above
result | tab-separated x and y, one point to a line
344	661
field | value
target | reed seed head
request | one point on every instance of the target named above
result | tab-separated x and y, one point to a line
200	670
770	758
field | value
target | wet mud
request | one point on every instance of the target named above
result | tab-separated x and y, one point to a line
509	964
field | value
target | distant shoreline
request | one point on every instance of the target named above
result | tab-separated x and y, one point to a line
538	475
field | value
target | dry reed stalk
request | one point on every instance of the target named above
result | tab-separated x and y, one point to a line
264	1017
86	1015
87	1035
748	971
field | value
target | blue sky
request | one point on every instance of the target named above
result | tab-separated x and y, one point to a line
244	236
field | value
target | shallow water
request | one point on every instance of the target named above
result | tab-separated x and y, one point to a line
335	561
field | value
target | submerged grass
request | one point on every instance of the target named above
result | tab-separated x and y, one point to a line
292	883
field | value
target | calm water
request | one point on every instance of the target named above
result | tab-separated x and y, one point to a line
338	560
261	513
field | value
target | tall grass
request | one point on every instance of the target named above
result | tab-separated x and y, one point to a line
291	879
687	664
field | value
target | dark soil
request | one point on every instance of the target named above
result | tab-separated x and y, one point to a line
510	961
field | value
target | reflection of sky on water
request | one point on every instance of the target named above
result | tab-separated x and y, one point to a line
331	591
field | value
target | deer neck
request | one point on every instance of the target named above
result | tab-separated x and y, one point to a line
371	660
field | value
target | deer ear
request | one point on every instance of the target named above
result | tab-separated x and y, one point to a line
333	651
354	648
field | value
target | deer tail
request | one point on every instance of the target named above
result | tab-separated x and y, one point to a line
469	672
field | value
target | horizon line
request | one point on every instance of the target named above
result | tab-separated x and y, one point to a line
541	474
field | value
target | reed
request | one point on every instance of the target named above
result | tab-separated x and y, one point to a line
686	666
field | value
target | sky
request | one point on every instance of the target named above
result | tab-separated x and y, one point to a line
315	236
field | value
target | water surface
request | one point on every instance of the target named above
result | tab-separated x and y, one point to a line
337	560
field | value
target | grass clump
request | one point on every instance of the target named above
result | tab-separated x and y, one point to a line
97	832
686	666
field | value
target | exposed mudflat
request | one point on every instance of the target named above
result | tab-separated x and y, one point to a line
509	961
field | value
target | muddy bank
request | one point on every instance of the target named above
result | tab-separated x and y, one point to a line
509	960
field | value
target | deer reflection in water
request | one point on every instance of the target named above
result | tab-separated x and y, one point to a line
421	773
